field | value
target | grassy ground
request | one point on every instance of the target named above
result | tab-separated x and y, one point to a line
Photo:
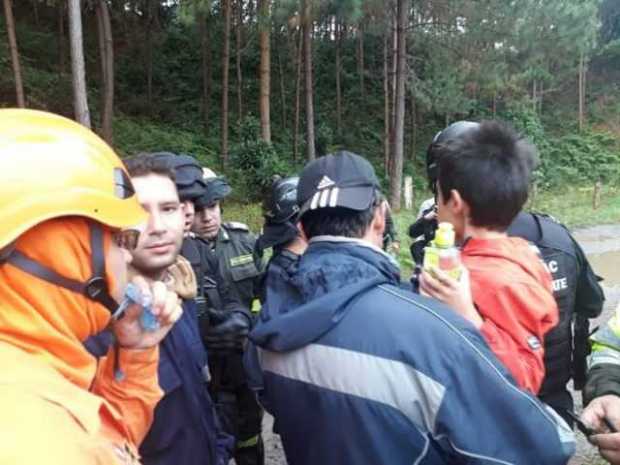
572	206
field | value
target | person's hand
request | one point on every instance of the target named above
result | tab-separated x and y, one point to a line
181	279
600	409
431	215
595	415
166	307
608	446
456	294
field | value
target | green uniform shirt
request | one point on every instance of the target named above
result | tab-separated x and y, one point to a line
234	248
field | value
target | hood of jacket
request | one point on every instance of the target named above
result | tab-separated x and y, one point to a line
47	321
332	274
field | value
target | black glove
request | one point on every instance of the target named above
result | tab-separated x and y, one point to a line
230	334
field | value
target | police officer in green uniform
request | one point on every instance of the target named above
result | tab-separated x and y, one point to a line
233	245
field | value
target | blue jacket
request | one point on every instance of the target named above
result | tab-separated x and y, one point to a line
185	429
358	371
275	284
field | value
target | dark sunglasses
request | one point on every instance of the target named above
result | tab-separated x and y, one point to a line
126	239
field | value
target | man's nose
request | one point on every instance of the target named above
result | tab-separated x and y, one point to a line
156	223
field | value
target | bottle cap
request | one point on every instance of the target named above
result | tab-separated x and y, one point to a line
444	236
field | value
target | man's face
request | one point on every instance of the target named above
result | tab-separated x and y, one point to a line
162	235
207	221
189	212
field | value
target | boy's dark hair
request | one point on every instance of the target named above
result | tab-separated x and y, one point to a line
490	167
339	221
144	164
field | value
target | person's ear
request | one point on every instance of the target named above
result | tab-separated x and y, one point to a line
378	221
456	202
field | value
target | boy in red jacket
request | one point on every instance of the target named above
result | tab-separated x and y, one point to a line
505	290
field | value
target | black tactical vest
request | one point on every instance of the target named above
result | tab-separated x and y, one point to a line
557	250
205	266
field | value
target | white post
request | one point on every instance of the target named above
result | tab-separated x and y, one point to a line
408	194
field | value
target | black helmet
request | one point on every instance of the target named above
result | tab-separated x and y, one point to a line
187	173
454	131
281	203
281	212
216	189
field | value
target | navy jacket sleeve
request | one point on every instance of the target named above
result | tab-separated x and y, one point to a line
467	423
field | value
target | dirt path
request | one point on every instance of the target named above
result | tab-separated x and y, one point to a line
602	245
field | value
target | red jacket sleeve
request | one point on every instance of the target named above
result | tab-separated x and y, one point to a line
516	319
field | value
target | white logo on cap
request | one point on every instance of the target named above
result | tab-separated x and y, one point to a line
325	182
325	198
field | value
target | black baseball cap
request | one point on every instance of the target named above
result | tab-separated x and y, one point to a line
342	179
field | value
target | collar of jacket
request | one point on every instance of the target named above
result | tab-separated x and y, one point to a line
359	249
222	235
358	242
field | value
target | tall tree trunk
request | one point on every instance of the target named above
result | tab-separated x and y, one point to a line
17	71
282	87
205	69
298	94
149	56
225	69
360	59
338	73
35	9
62	64
265	70
413	133
386	104
582	90
397	165
308	26
239	47
106	50
80	100
101	48
393	88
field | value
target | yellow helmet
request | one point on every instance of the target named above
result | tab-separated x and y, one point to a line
51	166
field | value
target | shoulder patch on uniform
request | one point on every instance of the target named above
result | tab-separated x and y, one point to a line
237	226
241	260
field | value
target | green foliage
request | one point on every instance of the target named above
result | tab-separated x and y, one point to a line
466	60
134	135
255	162
570	158
586	157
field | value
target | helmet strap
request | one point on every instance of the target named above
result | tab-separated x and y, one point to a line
95	289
